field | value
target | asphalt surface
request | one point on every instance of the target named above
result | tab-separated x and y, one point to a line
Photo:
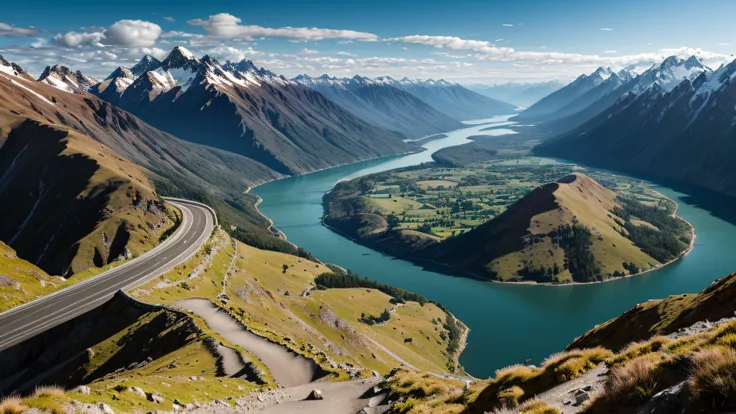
28	320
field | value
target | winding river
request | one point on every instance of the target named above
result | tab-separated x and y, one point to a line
509	323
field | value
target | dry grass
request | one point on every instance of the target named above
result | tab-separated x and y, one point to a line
571	364
49	391
712	382
637	349
510	397
529	407
516	373
12	405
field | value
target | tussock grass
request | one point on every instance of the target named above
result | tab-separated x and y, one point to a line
530	407
571	364
12	405
49	391
516	374
509	397
637	349
712	383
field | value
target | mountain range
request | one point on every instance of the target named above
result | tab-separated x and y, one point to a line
675	120
521	94
382	104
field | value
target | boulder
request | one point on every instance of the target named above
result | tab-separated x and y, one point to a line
105	408
315	395
83	389
581	397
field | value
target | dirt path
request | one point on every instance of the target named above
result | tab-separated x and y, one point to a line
347	397
288	368
558	396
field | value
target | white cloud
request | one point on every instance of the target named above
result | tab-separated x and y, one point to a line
132	33
609	52
306	51
606	29
40	42
74	39
169	19
10	30
175	34
227	25
488	52
723	44
232	54
507	25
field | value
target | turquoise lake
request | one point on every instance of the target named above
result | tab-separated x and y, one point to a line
509	323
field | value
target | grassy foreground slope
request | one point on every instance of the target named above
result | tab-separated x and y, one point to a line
273	294
690	370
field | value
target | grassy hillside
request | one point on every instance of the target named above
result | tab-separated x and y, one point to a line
690	370
664	316
122	361
570	230
493	220
273	294
76	203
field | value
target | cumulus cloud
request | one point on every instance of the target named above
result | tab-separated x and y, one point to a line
606	29
132	33
232	54
227	25
169	19
507	25
10	30
306	51
74	39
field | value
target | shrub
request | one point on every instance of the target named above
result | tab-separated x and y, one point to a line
712	381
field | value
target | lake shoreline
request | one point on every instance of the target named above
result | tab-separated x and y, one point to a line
442	268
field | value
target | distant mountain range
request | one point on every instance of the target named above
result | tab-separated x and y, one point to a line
680	130
521	94
382	105
411	107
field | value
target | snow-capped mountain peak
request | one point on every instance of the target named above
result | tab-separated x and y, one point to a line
64	78
603	73
12	69
121	72
670	73
146	64
179	58
114	84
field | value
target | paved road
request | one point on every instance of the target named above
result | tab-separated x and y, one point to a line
25	321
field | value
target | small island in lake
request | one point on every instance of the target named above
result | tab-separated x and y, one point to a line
495	221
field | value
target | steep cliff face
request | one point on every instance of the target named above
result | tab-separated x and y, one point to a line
71	204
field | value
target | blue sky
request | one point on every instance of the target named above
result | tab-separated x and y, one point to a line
463	40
